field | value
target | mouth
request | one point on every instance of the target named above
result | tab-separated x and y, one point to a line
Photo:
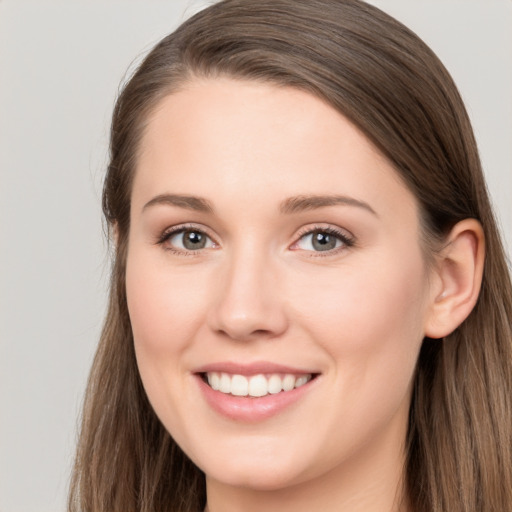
255	391
255	386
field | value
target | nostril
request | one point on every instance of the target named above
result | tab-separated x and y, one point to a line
248	335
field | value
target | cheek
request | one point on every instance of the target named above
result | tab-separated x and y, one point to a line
370	325
370	322
164	307
164	314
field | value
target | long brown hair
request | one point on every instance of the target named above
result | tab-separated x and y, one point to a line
384	79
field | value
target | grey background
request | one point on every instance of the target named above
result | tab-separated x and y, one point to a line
60	67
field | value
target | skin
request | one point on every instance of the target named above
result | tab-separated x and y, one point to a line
259	291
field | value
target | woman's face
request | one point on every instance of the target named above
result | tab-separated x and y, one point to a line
274	252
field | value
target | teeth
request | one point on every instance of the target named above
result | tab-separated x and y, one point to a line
225	383
275	385
256	385
214	381
288	382
239	385
300	381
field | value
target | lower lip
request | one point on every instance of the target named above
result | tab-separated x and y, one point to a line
251	409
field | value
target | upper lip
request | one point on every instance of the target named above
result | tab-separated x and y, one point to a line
253	368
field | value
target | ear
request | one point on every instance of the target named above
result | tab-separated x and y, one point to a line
458	277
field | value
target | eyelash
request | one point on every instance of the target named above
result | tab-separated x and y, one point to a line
169	233
346	240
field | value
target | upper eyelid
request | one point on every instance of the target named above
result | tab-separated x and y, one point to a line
186	227
348	240
173	230
326	227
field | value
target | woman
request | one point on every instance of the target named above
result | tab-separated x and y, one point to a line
310	306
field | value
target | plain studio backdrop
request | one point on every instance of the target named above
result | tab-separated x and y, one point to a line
61	64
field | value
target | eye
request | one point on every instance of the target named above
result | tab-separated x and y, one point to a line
323	240
186	240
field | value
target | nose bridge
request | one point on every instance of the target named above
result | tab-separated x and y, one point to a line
248	303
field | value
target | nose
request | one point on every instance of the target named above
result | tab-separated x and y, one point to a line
249	304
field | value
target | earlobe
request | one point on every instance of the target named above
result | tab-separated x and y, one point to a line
459	271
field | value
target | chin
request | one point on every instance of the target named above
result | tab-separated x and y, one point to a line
256	478
253	472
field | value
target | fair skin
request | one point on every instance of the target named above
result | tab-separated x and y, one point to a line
248	277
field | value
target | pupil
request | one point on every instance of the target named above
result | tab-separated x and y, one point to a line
194	240
323	241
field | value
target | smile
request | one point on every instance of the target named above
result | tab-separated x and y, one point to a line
255	391
256	385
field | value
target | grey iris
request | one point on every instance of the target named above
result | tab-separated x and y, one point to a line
193	240
323	241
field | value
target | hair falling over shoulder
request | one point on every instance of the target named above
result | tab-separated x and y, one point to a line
385	80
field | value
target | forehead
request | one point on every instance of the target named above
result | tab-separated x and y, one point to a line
233	138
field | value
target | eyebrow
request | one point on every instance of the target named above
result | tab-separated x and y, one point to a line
289	206
197	204
311	202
